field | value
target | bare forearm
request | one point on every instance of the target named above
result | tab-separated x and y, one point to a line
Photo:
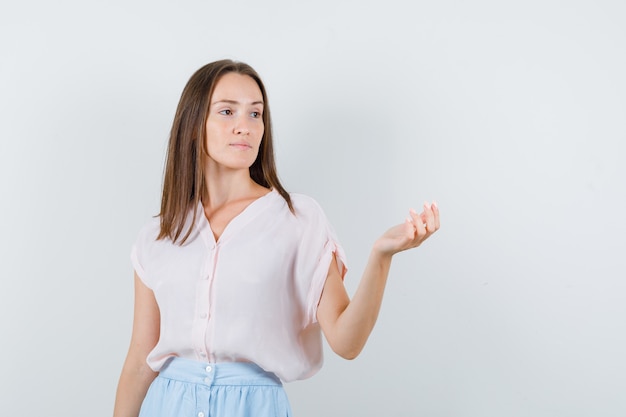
131	390
355	323
347	324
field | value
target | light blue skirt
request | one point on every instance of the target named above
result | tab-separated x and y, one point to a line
187	388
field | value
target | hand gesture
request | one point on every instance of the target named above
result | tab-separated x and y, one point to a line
410	234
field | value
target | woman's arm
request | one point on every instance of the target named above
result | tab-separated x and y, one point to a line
348	323
136	374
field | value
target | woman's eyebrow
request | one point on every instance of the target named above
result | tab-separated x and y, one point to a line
227	101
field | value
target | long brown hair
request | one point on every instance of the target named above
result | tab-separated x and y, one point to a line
183	182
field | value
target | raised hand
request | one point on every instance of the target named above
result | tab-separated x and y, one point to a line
410	234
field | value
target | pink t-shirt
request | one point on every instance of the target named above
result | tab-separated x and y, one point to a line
250	296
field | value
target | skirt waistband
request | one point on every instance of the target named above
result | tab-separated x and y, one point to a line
223	373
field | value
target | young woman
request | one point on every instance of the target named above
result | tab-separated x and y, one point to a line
236	279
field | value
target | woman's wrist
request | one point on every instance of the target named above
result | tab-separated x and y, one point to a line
381	253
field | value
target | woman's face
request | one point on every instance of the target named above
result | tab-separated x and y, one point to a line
234	126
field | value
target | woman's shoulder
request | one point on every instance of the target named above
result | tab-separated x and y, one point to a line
149	231
304	202
306	208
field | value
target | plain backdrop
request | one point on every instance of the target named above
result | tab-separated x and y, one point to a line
510	114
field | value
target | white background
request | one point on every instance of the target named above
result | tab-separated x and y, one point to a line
512	115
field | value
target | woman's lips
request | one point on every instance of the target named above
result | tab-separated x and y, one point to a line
241	145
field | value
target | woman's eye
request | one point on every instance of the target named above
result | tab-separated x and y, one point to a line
226	112
256	114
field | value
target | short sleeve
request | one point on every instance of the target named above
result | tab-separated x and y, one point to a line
140	250
316	248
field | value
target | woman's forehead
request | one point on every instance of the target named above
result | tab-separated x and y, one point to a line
239	88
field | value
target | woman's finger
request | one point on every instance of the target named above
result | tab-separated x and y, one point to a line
435	208
419	223
430	218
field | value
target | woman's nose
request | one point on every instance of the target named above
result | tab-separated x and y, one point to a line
241	126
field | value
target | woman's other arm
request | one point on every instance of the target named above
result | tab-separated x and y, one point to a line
348	323
136	374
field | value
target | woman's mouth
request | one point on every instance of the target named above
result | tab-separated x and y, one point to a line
241	145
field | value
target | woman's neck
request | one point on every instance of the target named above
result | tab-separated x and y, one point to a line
226	197
225	187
